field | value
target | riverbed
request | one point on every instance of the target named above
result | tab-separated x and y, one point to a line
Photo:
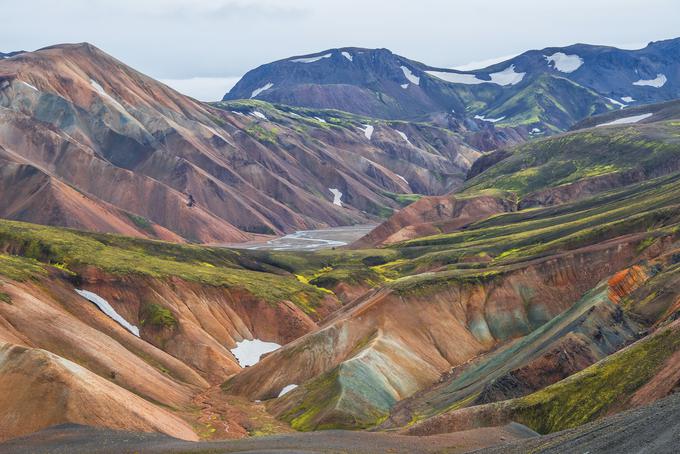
314	240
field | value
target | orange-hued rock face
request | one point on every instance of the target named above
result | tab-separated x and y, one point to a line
83	128
390	344
71	348
40	389
433	215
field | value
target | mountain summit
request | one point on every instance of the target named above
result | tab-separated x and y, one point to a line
539	90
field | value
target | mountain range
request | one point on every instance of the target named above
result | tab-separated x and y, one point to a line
537	92
519	292
109	149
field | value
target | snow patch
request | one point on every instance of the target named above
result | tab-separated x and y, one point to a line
106	308
617	103
535	131
506	77
248	352
29	85
320	119
404	86
286	389
490	120
410	76
368	132
259	115
627	99
403	136
659	82
347	55
626	120
402	178
337	196
563	62
311	59
261	89
104	94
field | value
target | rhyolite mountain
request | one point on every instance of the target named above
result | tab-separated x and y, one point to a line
88	142
542	295
538	92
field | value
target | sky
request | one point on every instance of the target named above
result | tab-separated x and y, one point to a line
202	47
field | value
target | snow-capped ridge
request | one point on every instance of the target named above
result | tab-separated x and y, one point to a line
504	78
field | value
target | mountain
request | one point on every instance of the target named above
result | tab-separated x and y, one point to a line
11	54
532	289
537	92
89	143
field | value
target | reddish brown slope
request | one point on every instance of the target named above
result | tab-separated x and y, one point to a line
122	138
39	389
433	215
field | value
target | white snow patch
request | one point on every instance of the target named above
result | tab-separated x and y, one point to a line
248	352
259	115
410	76
627	99
261	89
490	120
286	389
347	55
104	94
311	59
106	308
402	178
29	85
617	103
506	77
659	82
563	62
404	86
403	136
320	119
535	131
337	196
368	132
626	120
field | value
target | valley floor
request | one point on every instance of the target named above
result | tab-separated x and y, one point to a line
75	439
310	240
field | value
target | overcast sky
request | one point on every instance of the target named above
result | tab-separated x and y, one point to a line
203	46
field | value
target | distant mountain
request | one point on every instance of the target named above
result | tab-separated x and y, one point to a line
11	54
110	149
538	91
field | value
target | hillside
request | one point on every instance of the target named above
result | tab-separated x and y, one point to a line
528	296
89	143
536	93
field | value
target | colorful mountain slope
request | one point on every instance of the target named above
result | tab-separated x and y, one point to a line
83	128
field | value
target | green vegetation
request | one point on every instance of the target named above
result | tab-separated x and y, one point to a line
262	134
403	199
141	222
568	158
158	316
120	255
604	386
5	298
20	268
